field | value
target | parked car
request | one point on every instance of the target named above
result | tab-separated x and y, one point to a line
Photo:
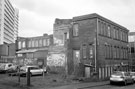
5	67
14	69
123	77
34	70
133	75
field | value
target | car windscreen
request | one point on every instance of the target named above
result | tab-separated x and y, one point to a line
23	68
117	73
33	68
133	74
2	66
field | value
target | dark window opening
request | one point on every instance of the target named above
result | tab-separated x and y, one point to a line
132	49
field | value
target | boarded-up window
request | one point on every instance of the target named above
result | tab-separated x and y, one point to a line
40	42
44	42
76	56
90	51
105	51
114	52
29	43
121	53
99	27
84	49
23	44
19	45
36	43
114	33
109	30
75	30
48	42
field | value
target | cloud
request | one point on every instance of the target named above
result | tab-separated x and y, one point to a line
42	7
25	4
32	24
37	16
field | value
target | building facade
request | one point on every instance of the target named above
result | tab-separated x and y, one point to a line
57	55
101	43
16	24
7	53
84	46
8	22
33	50
132	50
93	45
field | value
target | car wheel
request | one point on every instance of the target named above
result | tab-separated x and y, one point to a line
125	83
111	83
9	74
132	81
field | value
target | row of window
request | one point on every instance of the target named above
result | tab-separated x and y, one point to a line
7	40
84	51
8	36
110	52
9	5
108	30
115	52
9	10
34	43
7	15
39	43
9	24
76	54
8	29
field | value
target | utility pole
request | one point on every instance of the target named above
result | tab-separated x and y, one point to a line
28	77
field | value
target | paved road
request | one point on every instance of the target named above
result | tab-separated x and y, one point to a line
108	86
11	84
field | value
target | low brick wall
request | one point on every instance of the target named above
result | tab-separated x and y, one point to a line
56	69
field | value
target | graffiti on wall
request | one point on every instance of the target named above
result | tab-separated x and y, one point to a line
30	61
58	41
56	60
25	61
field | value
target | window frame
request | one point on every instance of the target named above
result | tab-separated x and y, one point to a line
84	51
75	56
109	30
75	29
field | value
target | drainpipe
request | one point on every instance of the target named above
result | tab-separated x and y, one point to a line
95	55
96	39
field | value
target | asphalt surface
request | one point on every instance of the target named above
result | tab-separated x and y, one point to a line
112	87
98	86
12	83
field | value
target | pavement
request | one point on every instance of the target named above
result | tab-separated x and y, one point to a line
82	85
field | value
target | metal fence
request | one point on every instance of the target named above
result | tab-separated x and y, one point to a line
105	72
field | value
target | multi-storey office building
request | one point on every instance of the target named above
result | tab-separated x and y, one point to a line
132	49
7	53
33	50
8	19
94	44
16	23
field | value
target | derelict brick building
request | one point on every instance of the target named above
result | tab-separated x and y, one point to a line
93	44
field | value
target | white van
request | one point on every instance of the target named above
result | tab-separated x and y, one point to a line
6	66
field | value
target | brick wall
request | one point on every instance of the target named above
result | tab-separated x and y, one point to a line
86	37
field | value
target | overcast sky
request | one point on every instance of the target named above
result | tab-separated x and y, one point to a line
36	17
